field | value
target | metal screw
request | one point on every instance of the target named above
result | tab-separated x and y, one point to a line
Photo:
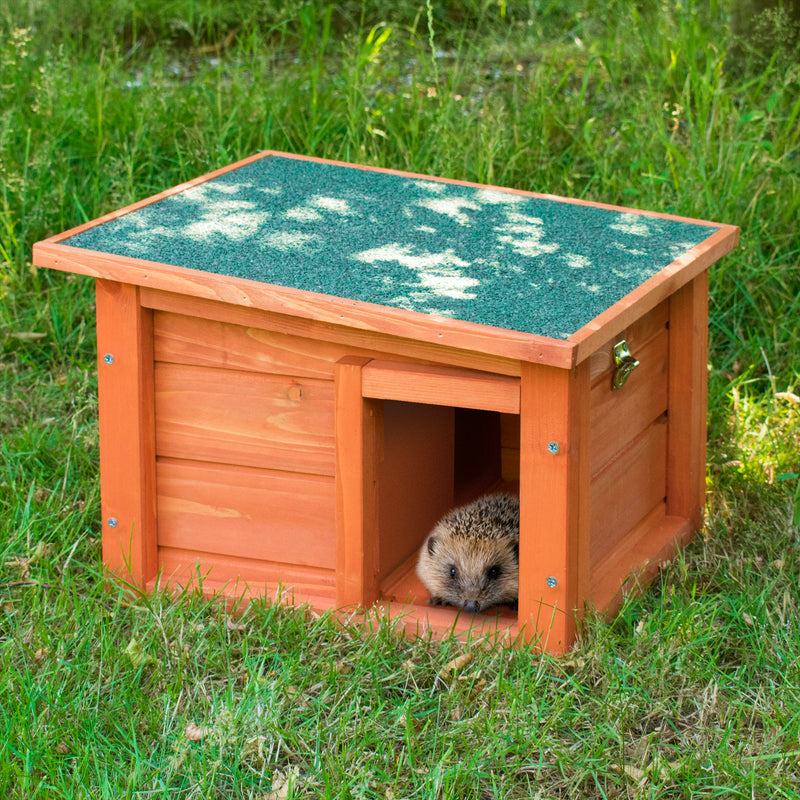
552	582
108	358
112	522
552	447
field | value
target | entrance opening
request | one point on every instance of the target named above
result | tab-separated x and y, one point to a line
434	458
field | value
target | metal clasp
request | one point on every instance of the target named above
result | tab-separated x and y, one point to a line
625	364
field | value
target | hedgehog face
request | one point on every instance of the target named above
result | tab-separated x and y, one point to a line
472	575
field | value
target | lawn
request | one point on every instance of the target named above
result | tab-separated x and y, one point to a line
693	690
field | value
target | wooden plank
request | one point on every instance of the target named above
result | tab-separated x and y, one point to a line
509	431
370	344
127	441
476	453
233	576
369	317
417	383
415	477
619	416
234	417
364	343
249	513
509	447
181	339
402	584
359	427
509	464
627	489
554	497
688	401
415	620
636	559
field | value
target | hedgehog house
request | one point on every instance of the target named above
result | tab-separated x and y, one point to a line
303	364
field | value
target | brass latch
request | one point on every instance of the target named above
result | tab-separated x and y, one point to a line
625	364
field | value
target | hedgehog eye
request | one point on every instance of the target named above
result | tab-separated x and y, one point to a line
453	571
493	572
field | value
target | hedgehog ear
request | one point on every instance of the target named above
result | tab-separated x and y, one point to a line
432	542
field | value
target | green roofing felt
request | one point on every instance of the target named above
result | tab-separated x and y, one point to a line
481	255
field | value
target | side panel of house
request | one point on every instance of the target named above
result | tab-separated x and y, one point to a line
628	445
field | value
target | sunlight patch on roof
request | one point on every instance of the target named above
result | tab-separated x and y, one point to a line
290	240
334	204
631	224
303	214
448	283
577	261
495	197
431	186
438	272
236	225
402	255
524	235
451	207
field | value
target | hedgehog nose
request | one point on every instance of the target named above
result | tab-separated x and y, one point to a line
472	606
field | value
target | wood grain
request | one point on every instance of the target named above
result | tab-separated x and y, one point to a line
422	620
127	441
235	577
688	401
415	477
234	417
619	416
247	398
636	558
649	294
352	314
51	253
354	341
359	428
627	489
250	513
182	339
637	335
554	503
416	383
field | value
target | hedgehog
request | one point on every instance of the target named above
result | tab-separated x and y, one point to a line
471	557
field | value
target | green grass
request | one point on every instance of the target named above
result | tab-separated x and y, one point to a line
692	691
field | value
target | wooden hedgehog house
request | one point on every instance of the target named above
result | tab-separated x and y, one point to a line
303	364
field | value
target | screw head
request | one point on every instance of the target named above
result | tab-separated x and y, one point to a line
552	447
108	358
112	522
552	582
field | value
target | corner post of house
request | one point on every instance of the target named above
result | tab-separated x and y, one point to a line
127	432
688	399
357	432
554	503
